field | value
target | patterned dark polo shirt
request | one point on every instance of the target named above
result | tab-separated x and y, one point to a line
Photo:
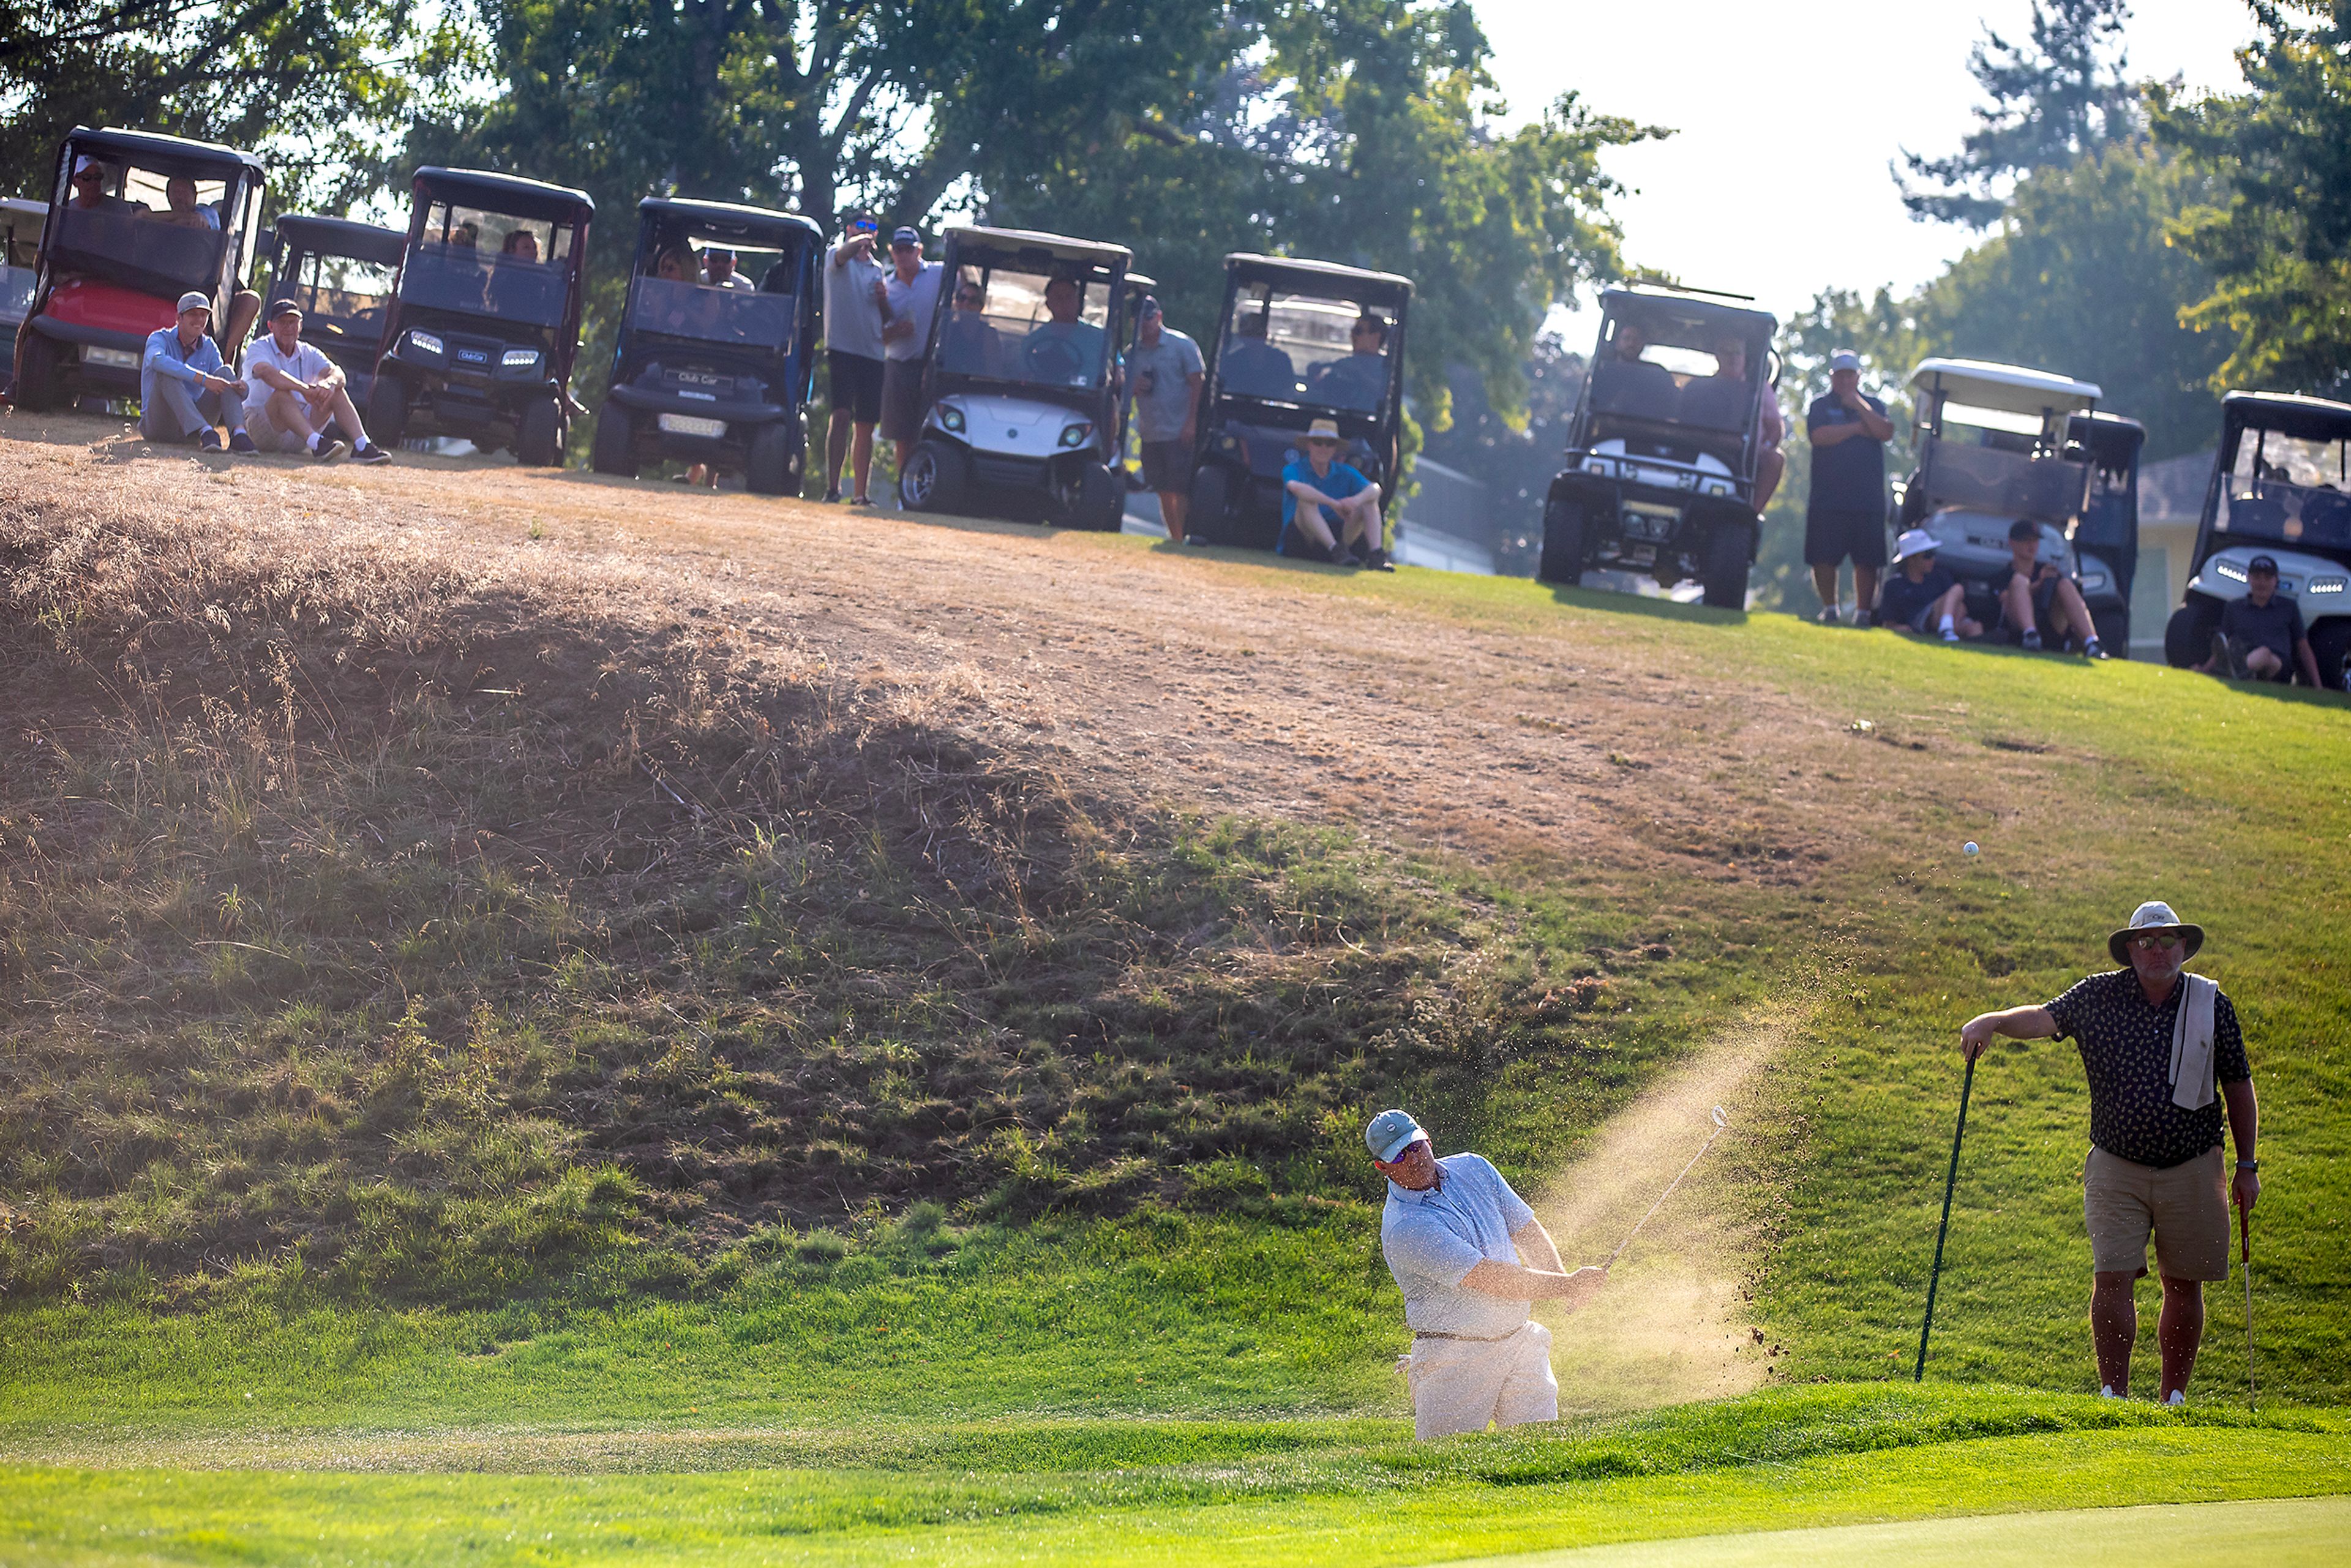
2126	1051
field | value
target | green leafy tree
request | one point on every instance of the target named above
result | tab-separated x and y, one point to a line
2276	234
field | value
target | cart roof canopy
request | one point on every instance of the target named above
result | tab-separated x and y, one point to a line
24	206
2113	439
343	237
1683	313
1060	248
1355	283
2290	414
727	220
509	193
164	155
2010	389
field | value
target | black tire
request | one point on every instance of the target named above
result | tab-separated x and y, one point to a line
937	478
387	411
1727	560
1563	543
538	434
2114	630
1211	503
1100	501
2187	635
2330	642
772	467
40	385
615	448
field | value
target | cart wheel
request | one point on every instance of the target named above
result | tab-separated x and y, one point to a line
2330	644
2187	635
538	434
2114	631
1726	568
615	450
1211	503
37	388
1563	542
937	478
772	467
387	411
1100	501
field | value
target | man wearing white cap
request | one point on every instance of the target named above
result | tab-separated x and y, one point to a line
1454	1234
184	389
1922	596
1845	513
2163	1054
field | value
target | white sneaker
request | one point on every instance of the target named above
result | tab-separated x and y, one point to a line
1828	616
2177	1397
2107	1391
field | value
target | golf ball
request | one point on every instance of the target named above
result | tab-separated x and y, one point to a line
1970	847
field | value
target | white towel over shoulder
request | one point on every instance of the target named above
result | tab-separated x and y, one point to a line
2192	1045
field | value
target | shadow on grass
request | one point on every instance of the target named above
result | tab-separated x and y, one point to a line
1638	604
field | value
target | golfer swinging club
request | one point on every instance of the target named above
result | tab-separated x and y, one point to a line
2155	1043
1454	1233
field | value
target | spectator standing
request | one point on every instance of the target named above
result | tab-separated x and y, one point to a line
2262	636
910	297
1163	376
1846	514
854	355
184	390
296	397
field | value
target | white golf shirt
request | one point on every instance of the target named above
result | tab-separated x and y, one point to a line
1433	1238
303	364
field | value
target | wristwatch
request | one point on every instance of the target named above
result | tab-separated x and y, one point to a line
2249	1164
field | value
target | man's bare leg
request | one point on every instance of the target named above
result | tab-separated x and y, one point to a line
836	447
1769	468
1308	520
2114	1327
242	306
288	411
1865	589
1175	511
862	457
341	411
2077	614
2179	1331
2016	604
1825	583
2264	665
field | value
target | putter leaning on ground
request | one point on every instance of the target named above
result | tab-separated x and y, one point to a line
1453	1234
2155	1044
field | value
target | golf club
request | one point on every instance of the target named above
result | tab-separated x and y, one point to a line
2245	1251
1934	1276
1718	1124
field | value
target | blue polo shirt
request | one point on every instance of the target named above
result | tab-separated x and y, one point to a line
1433	1238
1851	475
167	356
1341	483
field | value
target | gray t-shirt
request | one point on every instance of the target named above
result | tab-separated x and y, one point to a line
1157	381
916	301
853	321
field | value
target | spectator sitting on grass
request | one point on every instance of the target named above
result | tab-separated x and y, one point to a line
1318	484
2036	600
1922	595
2261	636
184	390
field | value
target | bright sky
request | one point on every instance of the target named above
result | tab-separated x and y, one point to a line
1776	182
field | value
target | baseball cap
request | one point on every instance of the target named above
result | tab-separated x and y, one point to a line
2262	563
712	250
1147	306
1391	1134
903	235
1844	359
192	300
84	164
1914	541
281	307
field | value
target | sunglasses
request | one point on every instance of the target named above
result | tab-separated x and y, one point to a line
2156	941
864	226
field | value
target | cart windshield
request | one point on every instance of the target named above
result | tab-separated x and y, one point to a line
143	226
1288	347
341	297
707	313
20	250
1030	324
1675	368
487	263
2289	490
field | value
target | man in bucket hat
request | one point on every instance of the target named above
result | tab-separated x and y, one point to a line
2163	1054
1454	1235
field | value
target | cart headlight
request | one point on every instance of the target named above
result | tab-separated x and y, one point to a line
1718	486
2325	585
519	359
951	418
1597	466
1077	435
2230	569
426	343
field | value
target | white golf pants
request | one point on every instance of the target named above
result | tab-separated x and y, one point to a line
1461	1386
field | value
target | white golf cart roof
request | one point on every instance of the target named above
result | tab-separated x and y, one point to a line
24	208
1061	247
2012	389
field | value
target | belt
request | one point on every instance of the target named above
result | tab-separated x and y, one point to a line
1470	1338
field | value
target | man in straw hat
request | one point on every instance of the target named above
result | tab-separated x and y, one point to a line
2163	1054
1472	1258
1316	491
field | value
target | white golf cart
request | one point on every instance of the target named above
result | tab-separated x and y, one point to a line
20	255
1020	378
1995	445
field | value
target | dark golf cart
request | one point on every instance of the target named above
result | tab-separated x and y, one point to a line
115	256
2105	541
20	256
341	274
2280	486
1997	445
1283	359
1663	447
1022	392
708	374
486	319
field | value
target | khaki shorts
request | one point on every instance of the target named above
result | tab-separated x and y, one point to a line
2186	1207
266	435
1461	1386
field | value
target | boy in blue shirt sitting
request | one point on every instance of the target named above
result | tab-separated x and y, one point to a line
1920	595
1319	489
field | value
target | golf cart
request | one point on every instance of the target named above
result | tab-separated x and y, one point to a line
483	328
1663	447
2280	488
708	374
1023	392
1281	360
341	274
20	255
2105	541
1996	444
115	256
